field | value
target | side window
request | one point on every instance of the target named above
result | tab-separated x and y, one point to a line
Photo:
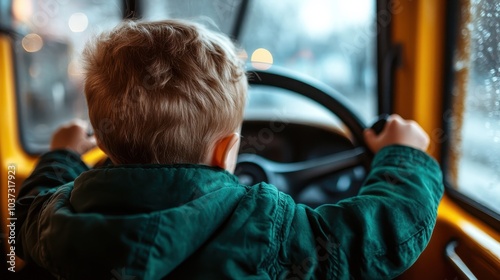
474	153
47	57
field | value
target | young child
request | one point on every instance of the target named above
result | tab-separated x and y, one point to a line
166	103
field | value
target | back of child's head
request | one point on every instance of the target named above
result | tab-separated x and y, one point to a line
163	92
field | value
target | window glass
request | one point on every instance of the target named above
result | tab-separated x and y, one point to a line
332	41
47	55
288	106
217	14
475	149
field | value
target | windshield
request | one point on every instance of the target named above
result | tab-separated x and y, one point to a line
332	41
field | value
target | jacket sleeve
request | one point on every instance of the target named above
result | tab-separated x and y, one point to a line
54	169
375	235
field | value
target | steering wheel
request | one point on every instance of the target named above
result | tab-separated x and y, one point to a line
293	177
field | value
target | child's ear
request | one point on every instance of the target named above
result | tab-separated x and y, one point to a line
226	151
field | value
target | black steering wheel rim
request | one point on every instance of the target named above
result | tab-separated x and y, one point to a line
292	177
314	90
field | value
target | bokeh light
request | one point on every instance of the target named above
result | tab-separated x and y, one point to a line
262	59
78	22
32	42
22	10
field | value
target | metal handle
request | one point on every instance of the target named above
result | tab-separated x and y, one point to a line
457	262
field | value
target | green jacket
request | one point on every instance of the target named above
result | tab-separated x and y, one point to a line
198	222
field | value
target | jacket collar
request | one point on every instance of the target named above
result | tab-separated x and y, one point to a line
133	189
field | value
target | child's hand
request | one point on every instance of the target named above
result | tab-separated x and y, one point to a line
398	131
73	136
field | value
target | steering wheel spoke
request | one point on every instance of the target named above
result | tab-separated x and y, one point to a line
291	177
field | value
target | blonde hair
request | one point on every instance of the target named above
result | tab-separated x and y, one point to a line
163	92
